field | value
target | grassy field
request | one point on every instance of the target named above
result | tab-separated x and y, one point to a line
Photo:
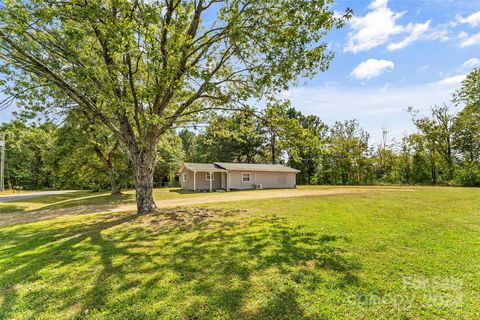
86	198
398	253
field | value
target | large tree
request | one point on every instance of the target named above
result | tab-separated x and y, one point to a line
27	150
237	137
87	155
170	155
282	129
469	93
438	131
305	144
466	137
140	67
347	159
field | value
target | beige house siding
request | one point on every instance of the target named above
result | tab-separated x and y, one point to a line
201	182
268	180
186	185
268	176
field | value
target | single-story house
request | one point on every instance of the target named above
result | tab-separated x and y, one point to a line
236	176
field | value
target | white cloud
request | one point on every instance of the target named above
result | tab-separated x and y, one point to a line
440	32
416	30
473	19
379	25
453	80
374	107
371	68
470	40
456	79
471	63
378	4
424	68
373	29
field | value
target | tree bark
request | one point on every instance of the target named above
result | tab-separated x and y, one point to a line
144	168
272	144
115	186
434	173
110	169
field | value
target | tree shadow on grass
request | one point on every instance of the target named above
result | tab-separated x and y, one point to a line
199	191
181	191
28	250
46	199
14	214
94	200
8	207
67	200
183	263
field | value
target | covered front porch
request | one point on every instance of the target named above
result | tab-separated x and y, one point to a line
211	180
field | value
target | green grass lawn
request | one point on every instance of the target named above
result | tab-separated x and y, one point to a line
87	198
380	254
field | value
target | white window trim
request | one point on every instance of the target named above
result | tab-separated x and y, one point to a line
212	176
184	177
249	177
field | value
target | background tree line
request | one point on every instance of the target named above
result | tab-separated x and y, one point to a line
82	154
143	68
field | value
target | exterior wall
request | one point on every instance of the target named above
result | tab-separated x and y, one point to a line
268	180
188	185
201	182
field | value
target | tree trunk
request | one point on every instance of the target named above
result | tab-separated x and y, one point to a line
114	181
272	144
434	173
144	168
107	160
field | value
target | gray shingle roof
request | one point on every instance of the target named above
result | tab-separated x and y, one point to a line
255	167
201	167
223	166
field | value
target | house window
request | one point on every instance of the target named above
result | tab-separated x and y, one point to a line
245	177
184	177
210	176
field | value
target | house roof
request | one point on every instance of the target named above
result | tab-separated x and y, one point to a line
224	166
201	167
255	167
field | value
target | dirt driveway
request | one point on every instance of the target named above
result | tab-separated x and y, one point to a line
198	199
255	195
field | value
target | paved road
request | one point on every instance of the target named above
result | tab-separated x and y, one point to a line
12	197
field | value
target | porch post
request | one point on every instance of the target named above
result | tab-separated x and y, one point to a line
211	177
228	180
194	174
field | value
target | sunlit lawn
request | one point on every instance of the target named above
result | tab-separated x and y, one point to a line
382	254
87	198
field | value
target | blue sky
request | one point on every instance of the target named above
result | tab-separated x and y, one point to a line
391	55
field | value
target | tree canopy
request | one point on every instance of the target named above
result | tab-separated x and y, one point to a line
142	67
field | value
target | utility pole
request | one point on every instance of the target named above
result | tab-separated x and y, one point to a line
2	162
